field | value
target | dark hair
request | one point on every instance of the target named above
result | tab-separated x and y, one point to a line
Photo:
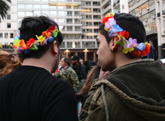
93	74
131	24
32	26
68	61
89	65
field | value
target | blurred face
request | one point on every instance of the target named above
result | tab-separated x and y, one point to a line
63	64
73	62
56	63
81	61
105	56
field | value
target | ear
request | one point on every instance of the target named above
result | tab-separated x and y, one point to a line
54	48
113	44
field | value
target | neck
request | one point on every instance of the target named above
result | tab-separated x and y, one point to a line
44	62
124	60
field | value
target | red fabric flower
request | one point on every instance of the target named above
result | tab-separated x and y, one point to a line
29	42
106	17
146	50
136	53
124	34
21	43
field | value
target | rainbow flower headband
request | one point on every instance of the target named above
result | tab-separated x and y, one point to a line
129	45
32	44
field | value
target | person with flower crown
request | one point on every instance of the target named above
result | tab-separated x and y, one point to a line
30	92
134	89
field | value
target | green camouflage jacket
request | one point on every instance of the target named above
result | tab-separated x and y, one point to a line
69	75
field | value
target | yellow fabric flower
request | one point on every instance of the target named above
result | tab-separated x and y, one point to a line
40	39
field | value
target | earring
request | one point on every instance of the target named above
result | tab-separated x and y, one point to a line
113	51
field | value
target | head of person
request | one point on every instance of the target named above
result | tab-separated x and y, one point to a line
8	62
81	61
89	65
74	60
39	36
121	36
65	62
93	74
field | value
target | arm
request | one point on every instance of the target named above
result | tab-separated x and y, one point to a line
74	80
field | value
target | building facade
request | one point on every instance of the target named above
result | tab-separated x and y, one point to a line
78	21
120	6
146	11
160	22
8	27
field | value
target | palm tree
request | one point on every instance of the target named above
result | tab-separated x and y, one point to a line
3	8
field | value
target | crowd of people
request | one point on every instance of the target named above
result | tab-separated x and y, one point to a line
122	86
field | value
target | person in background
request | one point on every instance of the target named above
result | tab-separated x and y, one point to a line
8	62
81	61
67	73
80	69
30	92
126	94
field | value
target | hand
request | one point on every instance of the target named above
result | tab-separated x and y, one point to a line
103	74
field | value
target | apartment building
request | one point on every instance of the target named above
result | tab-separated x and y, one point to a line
8	27
120	6
160	22
145	10
78	21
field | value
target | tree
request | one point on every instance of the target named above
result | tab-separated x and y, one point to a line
4	7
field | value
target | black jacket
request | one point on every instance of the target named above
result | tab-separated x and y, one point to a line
80	71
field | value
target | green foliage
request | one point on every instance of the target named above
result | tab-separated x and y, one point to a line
4	8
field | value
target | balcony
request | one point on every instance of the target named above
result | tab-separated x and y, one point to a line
104	3
106	10
64	2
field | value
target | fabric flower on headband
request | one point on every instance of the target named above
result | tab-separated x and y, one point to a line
130	45
33	44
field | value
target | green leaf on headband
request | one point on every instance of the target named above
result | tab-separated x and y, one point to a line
33	47
117	42
55	33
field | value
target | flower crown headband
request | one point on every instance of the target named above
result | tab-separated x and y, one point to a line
129	45
32	44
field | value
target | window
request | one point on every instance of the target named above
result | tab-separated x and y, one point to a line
45	13
6	35
88	44
144	6
151	14
61	13
8	25
8	17
69	44
11	35
77	21
61	7
69	28
151	2
69	21
21	14
45	6
20	6
29	6
77	13
29	13
62	45
77	44
36	12
61	20
52	7
53	13
1	35
69	13
37	6
77	28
